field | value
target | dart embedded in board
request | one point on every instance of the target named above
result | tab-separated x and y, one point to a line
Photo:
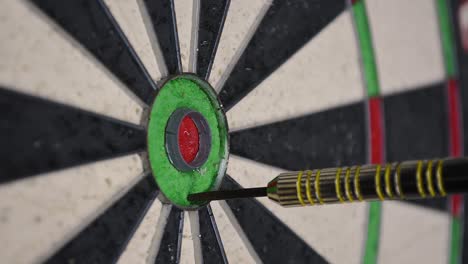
422	179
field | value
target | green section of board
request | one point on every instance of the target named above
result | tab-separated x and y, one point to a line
186	92
367	51
455	241
373	233
446	33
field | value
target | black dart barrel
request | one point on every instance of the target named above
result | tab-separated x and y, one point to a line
421	179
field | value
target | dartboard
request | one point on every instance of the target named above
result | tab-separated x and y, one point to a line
113	111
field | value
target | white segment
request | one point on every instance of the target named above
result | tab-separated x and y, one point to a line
196	236
191	244
336	232
236	250
194	38
406	43
130	19
463	23
186	13
186	249
323	74
242	20
160	229
40	214
413	234
151	33
145	242
37	58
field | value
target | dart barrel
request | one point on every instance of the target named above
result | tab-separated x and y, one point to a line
394	181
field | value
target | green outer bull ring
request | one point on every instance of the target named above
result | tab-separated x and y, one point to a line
187	91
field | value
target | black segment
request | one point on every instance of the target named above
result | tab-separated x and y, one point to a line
42	136
416	124
331	138
416	128
92	25
439	204
286	27
169	251
212	246
211	22
106	237
273	241
163	20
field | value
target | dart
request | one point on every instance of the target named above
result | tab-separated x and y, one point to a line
394	181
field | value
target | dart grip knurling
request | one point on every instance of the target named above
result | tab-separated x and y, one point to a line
394	181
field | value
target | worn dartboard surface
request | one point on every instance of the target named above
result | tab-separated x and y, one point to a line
302	83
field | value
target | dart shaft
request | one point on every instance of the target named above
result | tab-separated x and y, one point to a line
393	181
228	194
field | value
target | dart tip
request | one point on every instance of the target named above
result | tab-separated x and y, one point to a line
227	194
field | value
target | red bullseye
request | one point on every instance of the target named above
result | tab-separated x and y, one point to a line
189	139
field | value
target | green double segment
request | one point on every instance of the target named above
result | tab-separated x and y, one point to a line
364	35
447	38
